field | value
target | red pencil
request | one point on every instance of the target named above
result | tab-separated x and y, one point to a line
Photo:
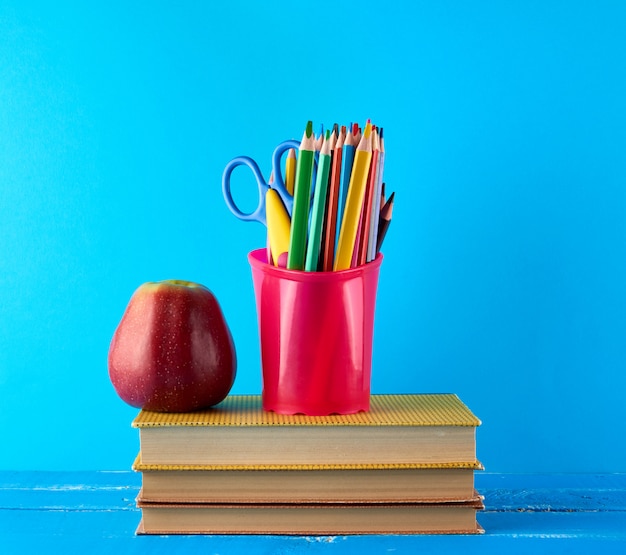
330	229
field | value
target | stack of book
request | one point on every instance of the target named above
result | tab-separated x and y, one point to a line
405	467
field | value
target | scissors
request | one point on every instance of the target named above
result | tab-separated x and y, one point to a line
278	183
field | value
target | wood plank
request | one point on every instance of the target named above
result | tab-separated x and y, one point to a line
94	512
102	532
555	492
69	490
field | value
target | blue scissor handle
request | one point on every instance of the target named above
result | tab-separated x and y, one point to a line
258	214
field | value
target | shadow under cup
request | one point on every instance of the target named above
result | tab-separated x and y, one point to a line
316	331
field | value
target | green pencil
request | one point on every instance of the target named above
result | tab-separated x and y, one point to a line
319	206
301	200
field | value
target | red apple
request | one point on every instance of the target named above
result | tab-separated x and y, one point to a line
172	351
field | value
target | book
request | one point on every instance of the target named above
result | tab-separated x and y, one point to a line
307	484
317	519
398	429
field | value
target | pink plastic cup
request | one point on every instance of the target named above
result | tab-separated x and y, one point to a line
316	331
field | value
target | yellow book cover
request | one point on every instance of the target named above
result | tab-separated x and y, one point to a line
435	429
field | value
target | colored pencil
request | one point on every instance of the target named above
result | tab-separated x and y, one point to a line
376	205
354	261
332	142
301	200
318	145
330	231
268	249
354	201
385	221
320	138
368	203
319	207
349	147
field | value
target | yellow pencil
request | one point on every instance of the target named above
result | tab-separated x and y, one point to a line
278	224
354	200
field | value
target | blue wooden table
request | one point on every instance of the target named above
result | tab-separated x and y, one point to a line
94	512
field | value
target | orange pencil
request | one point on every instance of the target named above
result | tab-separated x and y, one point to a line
330	230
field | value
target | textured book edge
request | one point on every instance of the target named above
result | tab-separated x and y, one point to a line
300	529
138	466
439	409
475	500
478	530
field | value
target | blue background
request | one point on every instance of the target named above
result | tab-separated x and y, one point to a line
504	278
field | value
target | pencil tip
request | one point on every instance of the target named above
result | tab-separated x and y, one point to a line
327	134
368	129
309	128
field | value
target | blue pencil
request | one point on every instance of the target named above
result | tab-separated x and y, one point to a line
347	158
